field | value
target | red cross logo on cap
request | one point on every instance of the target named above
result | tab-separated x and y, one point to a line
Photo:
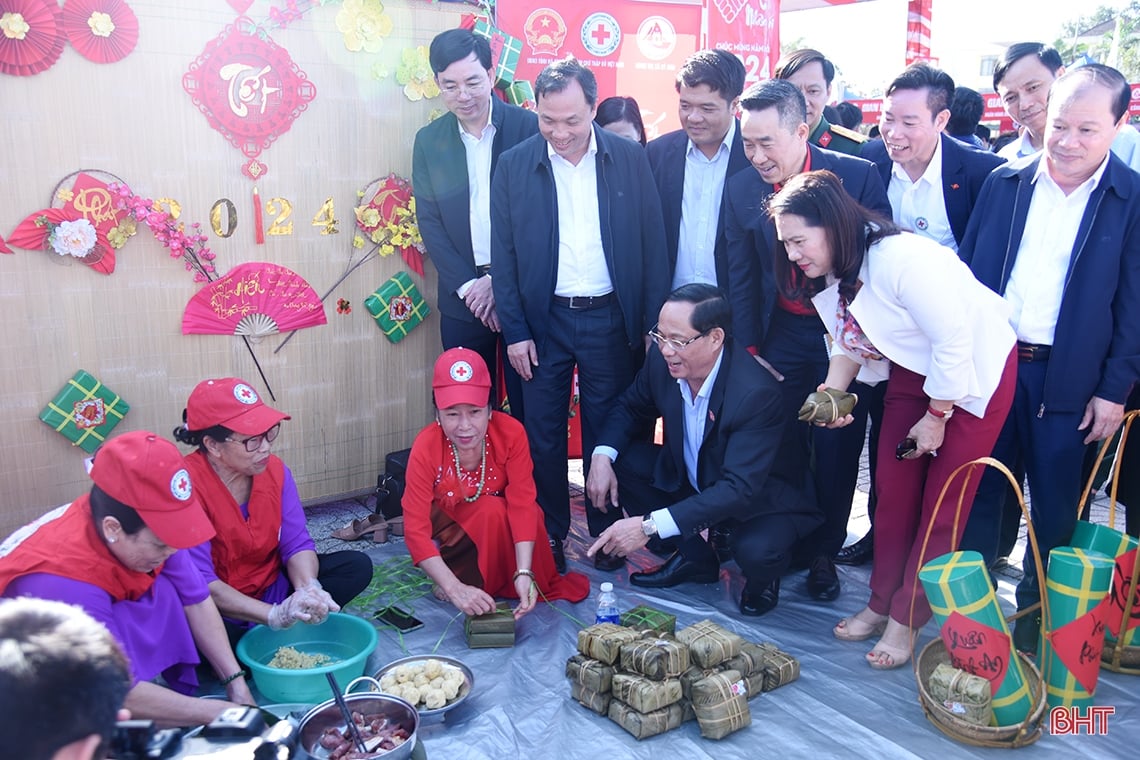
461	372
180	485
245	394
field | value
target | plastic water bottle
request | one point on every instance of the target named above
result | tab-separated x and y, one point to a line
607	606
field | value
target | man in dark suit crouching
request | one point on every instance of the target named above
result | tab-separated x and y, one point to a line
722	427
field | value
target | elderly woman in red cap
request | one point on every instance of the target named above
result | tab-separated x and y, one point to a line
262	565
115	554
471	520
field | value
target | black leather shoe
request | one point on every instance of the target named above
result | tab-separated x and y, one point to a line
718	540
676	570
1027	634
823	580
559	555
759	602
608	562
859	553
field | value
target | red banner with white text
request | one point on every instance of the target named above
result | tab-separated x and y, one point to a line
633	48
751	30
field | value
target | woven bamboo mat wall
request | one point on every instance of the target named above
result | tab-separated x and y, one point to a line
353	395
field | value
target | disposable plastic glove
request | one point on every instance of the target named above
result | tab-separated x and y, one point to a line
316	602
287	612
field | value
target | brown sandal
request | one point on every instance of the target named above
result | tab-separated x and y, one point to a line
357	529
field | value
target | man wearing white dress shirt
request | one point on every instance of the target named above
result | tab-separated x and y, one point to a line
578	249
1058	235
453	161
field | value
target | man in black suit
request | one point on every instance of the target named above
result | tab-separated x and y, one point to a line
722	423
453	161
690	166
578	247
932	180
787	331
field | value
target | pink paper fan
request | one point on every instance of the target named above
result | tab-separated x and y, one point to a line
4	248
254	299
103	31
37	48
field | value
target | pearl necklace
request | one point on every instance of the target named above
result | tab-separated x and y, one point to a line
482	471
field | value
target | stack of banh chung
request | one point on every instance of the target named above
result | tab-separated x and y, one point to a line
649	681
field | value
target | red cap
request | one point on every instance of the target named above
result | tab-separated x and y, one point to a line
147	473
461	377
230	401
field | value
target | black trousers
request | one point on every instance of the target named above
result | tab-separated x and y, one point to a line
460	333
762	544
796	346
595	341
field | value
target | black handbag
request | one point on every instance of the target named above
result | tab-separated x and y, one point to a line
390	484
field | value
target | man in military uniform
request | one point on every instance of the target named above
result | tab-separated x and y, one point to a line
810	71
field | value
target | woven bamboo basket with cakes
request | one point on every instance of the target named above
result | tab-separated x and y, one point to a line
1116	657
1014	735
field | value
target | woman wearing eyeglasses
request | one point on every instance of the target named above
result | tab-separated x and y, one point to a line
262	566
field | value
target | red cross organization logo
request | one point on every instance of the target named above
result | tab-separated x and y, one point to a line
545	31
400	309
461	371
89	413
180	485
601	34
245	394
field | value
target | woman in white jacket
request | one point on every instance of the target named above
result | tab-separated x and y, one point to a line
900	308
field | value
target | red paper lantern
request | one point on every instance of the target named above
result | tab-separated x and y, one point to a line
31	37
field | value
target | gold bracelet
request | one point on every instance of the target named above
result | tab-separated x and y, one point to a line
515	577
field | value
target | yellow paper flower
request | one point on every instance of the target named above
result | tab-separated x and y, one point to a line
14	26
357	241
364	25
101	24
367	216
64	195
121	233
414	72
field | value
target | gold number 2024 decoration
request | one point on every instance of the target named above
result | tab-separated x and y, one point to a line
224	217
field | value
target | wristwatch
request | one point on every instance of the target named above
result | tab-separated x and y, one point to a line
649	526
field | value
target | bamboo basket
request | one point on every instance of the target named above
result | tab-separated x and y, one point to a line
1014	735
1119	659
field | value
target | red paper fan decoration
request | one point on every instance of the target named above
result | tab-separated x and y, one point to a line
31	38
4	248
32	237
255	299
103	31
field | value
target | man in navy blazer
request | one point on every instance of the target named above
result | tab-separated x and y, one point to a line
787	333
454	212
691	165
1058	235
776	153
578	249
722	422
932	180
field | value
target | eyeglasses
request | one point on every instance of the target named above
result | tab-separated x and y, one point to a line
673	343
471	88
253	443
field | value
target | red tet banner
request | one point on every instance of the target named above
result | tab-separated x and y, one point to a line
976	648
1121	581
1078	644
633	48
751	30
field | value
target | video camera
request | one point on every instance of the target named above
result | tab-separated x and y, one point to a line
240	733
